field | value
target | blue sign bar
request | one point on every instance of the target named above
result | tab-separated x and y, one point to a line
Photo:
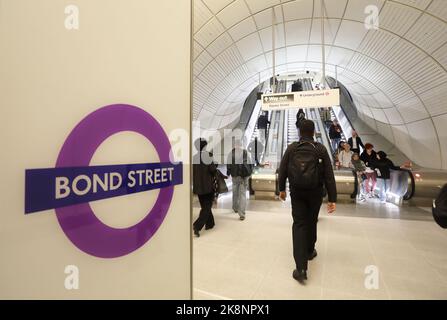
60	187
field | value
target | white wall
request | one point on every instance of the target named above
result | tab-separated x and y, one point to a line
51	78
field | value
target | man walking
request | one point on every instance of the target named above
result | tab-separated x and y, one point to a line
263	123
307	166
240	169
335	134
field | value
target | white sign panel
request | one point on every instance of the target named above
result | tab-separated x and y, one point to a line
92	207
301	99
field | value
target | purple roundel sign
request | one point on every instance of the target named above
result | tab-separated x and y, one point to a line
78	221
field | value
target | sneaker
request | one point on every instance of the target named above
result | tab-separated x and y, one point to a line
383	201
242	218
299	275
362	199
196	233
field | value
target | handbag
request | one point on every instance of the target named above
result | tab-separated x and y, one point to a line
220	184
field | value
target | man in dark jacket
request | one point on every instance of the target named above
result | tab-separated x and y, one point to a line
383	167
239	167
335	134
355	142
263	122
204	171
306	203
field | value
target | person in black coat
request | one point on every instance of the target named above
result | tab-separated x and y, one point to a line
204	171
383	167
263	123
300	115
440	208
306	202
355	142
335	134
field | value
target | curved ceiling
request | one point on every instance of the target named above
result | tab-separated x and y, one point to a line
397	74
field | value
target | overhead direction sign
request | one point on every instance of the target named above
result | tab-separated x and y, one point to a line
301	99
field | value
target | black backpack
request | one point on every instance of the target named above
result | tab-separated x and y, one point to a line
304	166
440	208
243	169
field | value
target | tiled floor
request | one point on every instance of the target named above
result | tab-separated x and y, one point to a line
252	259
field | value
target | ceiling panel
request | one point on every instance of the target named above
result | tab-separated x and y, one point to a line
230	59
330	30
250	46
216	5
428	33
297	32
258	5
242	29
441	129
350	34
209	32
424	143
197	49
420	4
441	56
340	57
220	44
233	13
264	18
398	18
438	8
435	100
393	116
403	140
201	62
334	8
301	9
412	109
201	15
256	64
267	37
425	75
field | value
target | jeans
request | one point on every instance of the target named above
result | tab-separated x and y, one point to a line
334	143
370	182
240	186
384	188
206	217
305	209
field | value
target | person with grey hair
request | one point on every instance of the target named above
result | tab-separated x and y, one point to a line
240	168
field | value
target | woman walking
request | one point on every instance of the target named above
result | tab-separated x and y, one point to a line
204	171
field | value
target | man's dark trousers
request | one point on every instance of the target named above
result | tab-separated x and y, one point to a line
305	209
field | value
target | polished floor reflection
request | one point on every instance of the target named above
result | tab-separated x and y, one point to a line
252	259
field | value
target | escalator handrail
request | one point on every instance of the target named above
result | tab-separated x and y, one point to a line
407	196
